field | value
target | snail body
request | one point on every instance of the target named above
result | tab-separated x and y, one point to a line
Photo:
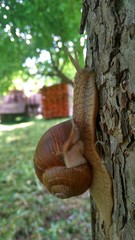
78	159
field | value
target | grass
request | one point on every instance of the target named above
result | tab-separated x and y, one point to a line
27	210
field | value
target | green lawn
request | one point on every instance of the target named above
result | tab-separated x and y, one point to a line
27	210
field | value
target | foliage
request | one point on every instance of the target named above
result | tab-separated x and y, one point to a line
29	27
27	211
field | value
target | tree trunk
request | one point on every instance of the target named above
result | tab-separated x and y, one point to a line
111	52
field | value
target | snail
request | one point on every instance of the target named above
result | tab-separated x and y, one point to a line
66	159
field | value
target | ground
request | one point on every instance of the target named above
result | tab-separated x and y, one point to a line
27	210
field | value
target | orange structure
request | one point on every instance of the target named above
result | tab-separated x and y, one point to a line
57	100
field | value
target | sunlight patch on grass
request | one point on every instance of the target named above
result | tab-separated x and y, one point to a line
4	127
11	139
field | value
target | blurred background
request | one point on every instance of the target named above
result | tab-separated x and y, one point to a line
36	92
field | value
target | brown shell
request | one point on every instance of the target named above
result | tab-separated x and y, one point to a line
66	182
49	165
50	147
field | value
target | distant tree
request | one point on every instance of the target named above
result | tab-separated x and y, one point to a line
29	27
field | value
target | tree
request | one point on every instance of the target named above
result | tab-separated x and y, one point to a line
111	52
28	28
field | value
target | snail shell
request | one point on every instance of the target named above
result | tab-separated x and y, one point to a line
59	161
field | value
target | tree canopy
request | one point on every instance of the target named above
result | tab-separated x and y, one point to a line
35	28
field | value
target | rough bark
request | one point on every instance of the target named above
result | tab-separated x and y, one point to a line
111	52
